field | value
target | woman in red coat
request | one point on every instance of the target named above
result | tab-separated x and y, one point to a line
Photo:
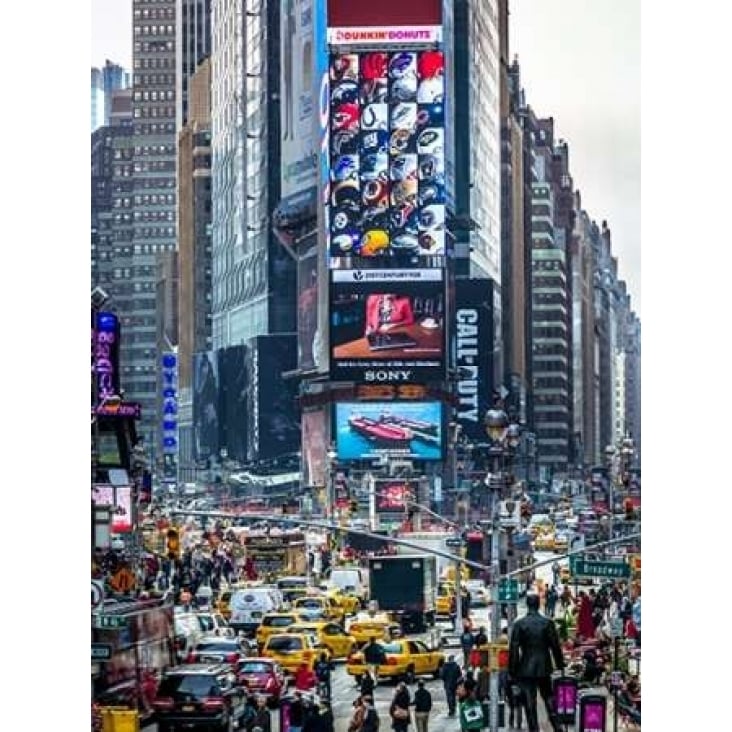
585	626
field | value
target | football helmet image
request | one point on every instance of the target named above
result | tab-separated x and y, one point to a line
345	167
430	64
344	67
402	141
344	142
431	91
404	89
373	242
374	117
405	243
403	167
346	196
430	115
402	64
342	220
344	244
432	192
431	168
432	242
344	93
404	116
345	117
404	191
374	218
375	91
431	218
374	65
375	167
376	194
404	216
375	141
431	141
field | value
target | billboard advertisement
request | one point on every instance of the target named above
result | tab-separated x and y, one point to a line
383	22
233	387
105	335
206	442
410	430
387	158
472	345
314	436
307	311
298	142
392	495
120	499
387	325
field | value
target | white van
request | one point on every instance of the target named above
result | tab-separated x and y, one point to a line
250	604
349	579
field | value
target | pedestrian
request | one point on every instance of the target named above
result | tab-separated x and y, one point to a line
585	625
467	641
297	713
261	718
555	573
355	724
450	674
322	673
399	708
511	692
465	603
327	721
422	707
551	601
375	656
305	678
534	644
481	639
367	685
471	714
371	721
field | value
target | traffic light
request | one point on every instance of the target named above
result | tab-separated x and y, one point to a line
353	505
629	510
173	543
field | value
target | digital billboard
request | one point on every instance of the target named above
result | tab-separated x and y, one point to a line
206	438
105	334
233	388
120	499
391	496
387	325
410	430
387	157
314	436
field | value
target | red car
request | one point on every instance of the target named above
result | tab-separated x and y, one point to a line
264	677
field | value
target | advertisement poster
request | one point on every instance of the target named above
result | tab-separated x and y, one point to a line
387	325
307	310
392	496
206	440
233	384
366	430
387	157
120	498
314	425
354	22
299	150
592	716
106	355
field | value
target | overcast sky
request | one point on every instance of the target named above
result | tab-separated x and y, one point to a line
580	63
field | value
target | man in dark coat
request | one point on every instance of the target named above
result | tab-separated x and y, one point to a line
450	676
534	643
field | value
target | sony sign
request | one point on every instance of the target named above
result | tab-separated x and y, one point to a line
387	376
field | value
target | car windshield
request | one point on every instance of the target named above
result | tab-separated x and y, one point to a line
309	602
278	622
230	647
189	686
285	643
255	667
391	647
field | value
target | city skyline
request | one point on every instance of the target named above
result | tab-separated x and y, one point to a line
602	128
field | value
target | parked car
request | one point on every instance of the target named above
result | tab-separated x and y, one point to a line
200	696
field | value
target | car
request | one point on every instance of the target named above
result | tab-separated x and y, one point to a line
445	600
331	635
263	677
200	696
215	649
275	623
292	587
479	594
349	602
187	630
215	624
368	625
318	606
291	650
405	660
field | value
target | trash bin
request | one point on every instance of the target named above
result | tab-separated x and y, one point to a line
592	713
120	719
565	699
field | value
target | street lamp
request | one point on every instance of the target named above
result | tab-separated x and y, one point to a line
610	458
329	508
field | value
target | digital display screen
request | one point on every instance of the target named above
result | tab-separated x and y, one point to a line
119	498
387	156
387	328
366	430
393	496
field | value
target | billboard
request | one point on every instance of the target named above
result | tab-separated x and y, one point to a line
233	387
206	442
387	325
314	437
169	402
392	495
297	95
473	354
120	499
307	311
410	430
384	21
105	335
387	158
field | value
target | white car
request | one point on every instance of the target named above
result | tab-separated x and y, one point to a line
479	594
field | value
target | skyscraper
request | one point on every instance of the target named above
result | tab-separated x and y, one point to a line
195	45
104	82
97	99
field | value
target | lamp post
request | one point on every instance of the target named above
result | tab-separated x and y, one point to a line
610	457
329	508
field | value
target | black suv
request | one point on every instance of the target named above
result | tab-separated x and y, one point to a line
199	696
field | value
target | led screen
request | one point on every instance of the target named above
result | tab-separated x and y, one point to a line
387	326
367	430
387	155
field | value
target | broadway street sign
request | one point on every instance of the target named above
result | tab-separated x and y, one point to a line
604	570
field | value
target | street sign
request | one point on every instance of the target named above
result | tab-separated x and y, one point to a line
508	590
123	580
97	593
101	652
591	568
102	622
454	542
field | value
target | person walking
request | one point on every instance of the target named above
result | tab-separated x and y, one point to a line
422	707
355	724
534	644
322	673
450	674
471	714
261	718
371	719
551	601
297	713
367	685
399	708
375	656
467	641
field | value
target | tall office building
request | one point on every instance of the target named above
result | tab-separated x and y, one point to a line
97	99
194	34
154	218
633	383
104	82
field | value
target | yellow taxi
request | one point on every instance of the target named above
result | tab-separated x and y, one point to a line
348	602
318	607
368	625
291	650
405	660
275	623
221	605
331	635
449	574
445	599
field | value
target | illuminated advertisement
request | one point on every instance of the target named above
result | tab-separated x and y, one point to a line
387	157
169	402
392	495
410	430
299	147
387	326
106	355
314	427
120	499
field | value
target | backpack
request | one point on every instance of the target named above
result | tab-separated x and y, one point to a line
466	639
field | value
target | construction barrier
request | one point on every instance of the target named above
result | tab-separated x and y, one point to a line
120	719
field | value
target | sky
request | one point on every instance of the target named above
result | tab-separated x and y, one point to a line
573	68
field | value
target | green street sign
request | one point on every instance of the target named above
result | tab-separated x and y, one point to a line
102	622
604	570
508	590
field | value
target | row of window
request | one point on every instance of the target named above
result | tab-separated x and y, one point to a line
155	199
153	46
154	63
155	232
154	96
154	150
153	112
154	216
153	79
122	171
154	13
155	166
155	128
153	30
158	183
